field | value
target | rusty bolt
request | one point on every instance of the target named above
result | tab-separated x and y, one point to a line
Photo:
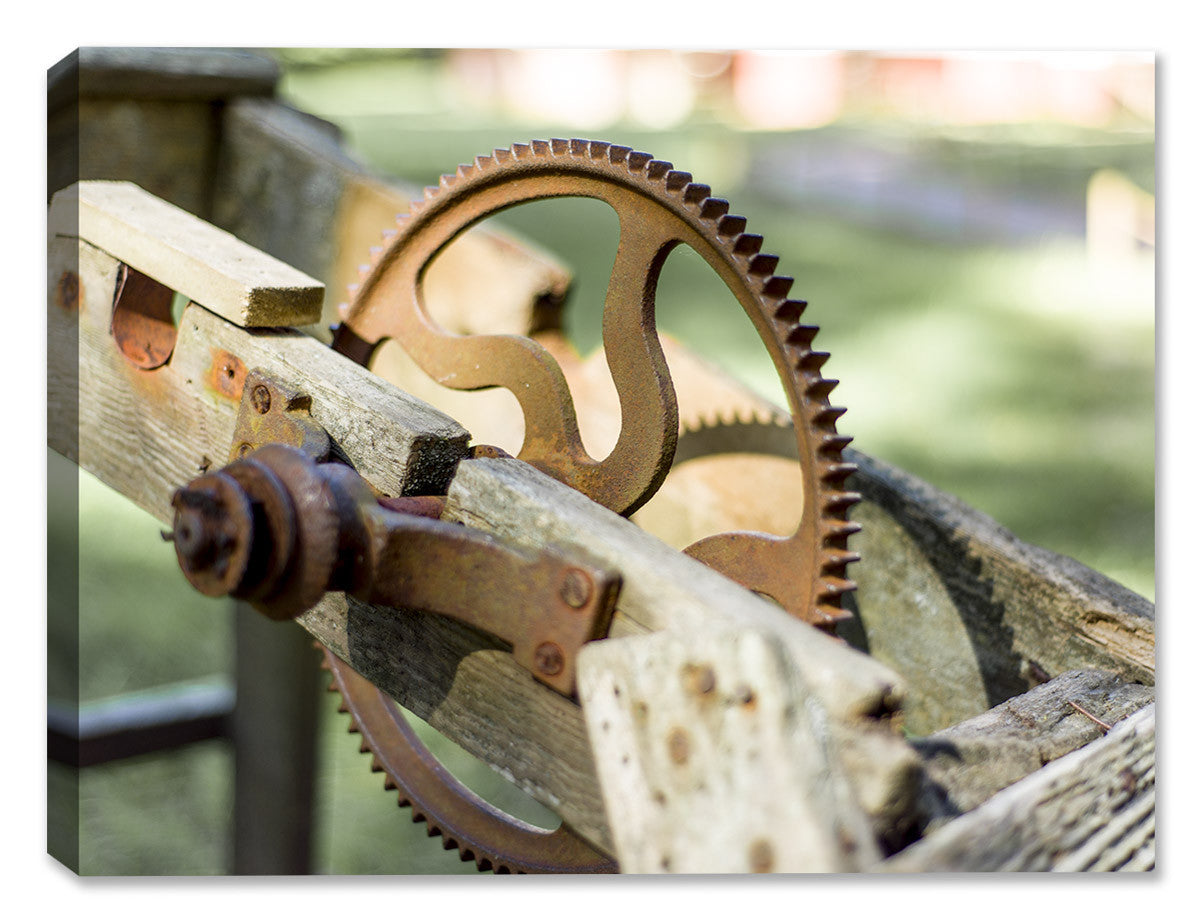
576	588
548	658
260	398
677	746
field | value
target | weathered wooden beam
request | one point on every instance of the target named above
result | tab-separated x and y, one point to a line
970	762
1008	614
714	756
189	255
1091	810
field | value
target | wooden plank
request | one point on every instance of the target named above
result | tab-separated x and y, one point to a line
1091	810
972	761
1009	614
188	255
713	757
146	433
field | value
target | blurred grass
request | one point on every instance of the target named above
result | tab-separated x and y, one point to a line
1018	376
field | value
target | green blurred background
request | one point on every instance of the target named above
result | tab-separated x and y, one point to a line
975	236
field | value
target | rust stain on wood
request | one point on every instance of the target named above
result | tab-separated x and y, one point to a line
68	293
227	375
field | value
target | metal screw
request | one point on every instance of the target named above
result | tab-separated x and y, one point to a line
576	588
260	398
548	658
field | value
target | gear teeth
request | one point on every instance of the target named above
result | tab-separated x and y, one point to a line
541	148
836	586
352	289
747	244
831	615
822	388
763	264
828	416
502	155
677	179
364	270
837	472
619	153
713	209
788	311
343	311
656	169
696	192
832	444
521	151
638	160
840	530
837	561
802	335
840	502
598	150
812	360
483	162
731	225
778	286
388	235
579	146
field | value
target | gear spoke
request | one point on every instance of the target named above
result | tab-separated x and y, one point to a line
649	411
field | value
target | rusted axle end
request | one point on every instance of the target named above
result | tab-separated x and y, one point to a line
280	530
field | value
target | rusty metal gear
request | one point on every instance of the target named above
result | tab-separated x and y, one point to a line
479	831
658	208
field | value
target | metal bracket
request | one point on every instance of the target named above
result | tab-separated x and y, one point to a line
271	412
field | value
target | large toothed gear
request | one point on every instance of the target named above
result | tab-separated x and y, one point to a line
658	208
